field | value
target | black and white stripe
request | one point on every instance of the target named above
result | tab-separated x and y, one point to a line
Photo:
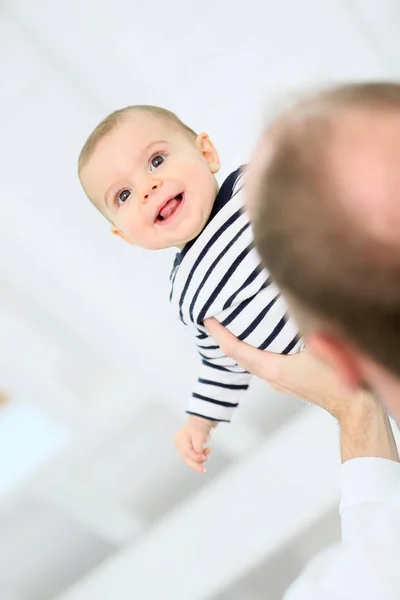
219	275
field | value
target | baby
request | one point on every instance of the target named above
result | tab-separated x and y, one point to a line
153	178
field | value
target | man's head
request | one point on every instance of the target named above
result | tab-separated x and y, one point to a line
324	193
150	175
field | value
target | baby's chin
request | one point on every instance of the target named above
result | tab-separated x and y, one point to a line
190	232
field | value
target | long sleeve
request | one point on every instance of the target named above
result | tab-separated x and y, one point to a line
220	385
366	483
366	564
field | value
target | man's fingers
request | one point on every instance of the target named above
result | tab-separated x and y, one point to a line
229	344
226	340
267	365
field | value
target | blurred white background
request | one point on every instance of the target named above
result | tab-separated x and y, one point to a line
94	503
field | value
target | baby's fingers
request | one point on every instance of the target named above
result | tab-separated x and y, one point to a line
184	446
195	461
195	466
188	452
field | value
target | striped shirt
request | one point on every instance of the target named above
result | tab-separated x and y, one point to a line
219	275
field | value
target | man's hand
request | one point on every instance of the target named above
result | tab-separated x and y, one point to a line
300	374
364	426
191	439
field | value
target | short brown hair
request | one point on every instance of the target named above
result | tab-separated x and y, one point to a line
315	251
115	118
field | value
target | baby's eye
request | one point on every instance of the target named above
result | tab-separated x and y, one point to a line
156	161
123	196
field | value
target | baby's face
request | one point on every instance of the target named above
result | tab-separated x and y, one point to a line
153	182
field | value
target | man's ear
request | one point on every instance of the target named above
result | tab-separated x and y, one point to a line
207	148
115	231
340	355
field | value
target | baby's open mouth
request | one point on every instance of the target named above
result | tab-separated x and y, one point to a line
169	208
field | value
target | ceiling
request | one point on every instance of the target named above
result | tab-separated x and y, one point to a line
94	503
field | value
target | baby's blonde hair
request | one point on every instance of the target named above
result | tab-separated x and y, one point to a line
108	124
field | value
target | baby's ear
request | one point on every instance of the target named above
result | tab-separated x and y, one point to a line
115	231
209	151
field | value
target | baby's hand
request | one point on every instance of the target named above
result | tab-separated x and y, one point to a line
191	439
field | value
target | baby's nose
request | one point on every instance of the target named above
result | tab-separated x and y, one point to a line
153	188
150	186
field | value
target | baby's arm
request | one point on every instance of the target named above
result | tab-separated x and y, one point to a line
220	385
219	388
262	322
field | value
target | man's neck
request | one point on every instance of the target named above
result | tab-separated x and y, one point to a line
386	387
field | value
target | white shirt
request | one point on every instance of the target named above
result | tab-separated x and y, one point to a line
219	275
366	565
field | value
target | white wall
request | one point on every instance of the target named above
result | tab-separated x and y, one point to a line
88	341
